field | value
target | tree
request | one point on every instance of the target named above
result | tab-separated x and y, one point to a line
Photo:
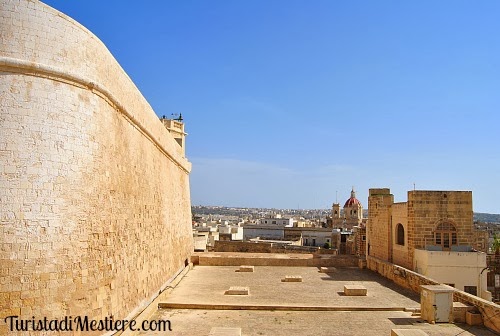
495	246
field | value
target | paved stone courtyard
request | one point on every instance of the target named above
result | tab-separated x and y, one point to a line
292	323
207	284
204	286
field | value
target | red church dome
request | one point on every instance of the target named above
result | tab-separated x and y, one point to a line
352	201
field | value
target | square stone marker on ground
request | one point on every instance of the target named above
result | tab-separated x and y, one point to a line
245	268
354	290
408	332
237	291
219	331
327	269
292	278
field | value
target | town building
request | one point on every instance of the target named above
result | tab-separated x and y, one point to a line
432	233
277	220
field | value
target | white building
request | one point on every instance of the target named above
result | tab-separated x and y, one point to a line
268	232
316	237
288	222
465	270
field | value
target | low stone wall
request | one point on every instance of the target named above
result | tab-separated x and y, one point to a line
239	246
269	259
233	246
404	277
489	310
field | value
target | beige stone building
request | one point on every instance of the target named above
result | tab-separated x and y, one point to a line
432	233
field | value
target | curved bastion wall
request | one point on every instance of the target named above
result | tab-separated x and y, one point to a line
95	213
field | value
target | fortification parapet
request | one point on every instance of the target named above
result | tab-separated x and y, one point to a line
95	215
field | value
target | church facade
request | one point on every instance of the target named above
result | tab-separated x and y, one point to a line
351	216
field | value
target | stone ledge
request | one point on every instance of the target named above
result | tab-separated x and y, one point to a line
209	306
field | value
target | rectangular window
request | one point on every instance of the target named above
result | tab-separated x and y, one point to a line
364	238
274	222
453	238
471	290
438	238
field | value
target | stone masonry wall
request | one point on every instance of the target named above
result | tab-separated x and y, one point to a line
378	227
400	253
95	207
426	209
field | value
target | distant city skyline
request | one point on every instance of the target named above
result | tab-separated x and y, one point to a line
287	102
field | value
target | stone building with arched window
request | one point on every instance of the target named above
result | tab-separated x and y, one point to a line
432	233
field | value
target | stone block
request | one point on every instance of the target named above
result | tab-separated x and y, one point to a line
219	331
237	291
355	290
473	318
327	269
245	268
292	278
459	311
408	332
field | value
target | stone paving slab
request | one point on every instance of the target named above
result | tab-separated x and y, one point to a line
237	290
188	322
355	290
246	268
292	278
408	332
217	331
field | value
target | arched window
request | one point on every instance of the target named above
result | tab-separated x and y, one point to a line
400	234
445	235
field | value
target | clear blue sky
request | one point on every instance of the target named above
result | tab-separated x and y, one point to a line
287	102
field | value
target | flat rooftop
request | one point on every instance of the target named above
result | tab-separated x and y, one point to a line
205	285
315	306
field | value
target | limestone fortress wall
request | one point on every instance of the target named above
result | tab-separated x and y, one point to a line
95	207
